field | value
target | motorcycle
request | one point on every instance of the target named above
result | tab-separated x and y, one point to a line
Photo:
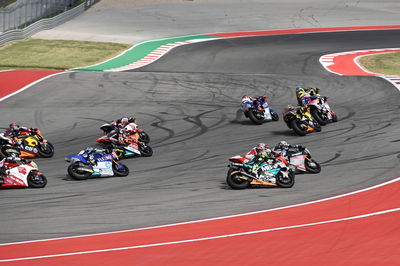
321	111
85	164
124	151
300	161
23	175
240	174
30	145
258	114
301	124
109	127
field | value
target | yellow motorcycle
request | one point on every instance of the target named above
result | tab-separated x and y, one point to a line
30	145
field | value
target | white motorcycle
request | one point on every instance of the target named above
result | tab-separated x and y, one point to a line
24	175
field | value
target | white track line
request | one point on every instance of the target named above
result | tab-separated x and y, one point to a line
210	219
29	85
206	238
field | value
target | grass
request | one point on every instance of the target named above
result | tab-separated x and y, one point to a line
56	54
6	3
388	63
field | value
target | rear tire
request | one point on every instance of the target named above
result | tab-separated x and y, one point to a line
254	118
78	175
315	114
296	128
312	166
285	182
119	172
235	182
36	180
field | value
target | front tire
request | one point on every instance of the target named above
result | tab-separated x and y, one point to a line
235	182
296	128
46	150
283	181
275	116
254	118
145	150
144	137
76	174
312	166
36	180
120	172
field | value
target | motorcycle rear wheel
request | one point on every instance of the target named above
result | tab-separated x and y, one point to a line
283	181
254	118
78	175
235	182
296	128
36	180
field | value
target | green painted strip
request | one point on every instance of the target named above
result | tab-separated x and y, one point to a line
138	52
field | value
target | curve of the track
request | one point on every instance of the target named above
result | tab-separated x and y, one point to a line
187	101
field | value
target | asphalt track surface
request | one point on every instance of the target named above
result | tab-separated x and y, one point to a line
187	101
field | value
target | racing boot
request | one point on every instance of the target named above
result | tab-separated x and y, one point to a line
267	114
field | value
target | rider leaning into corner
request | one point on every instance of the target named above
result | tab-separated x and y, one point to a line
285	149
9	162
261	101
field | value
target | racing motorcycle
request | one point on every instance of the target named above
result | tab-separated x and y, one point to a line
30	145
109	127
257	114
301	124
87	164
321	111
300	161
241	176
124	151
22	176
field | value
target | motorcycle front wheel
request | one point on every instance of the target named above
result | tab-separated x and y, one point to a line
312	166
36	180
235	182
46	150
146	150
122	170
144	137
285	181
316	115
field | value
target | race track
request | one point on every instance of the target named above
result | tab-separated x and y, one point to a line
187	101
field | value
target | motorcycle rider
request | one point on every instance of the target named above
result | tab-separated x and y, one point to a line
14	131
95	153
255	150
285	149
9	162
259	101
262	156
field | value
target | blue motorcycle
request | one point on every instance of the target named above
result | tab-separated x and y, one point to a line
94	163
258	114
242	174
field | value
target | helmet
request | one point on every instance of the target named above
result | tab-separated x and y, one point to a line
261	147
264	98
89	149
283	143
14	126
299	88
124	120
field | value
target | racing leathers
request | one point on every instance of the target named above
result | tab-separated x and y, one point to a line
7	163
